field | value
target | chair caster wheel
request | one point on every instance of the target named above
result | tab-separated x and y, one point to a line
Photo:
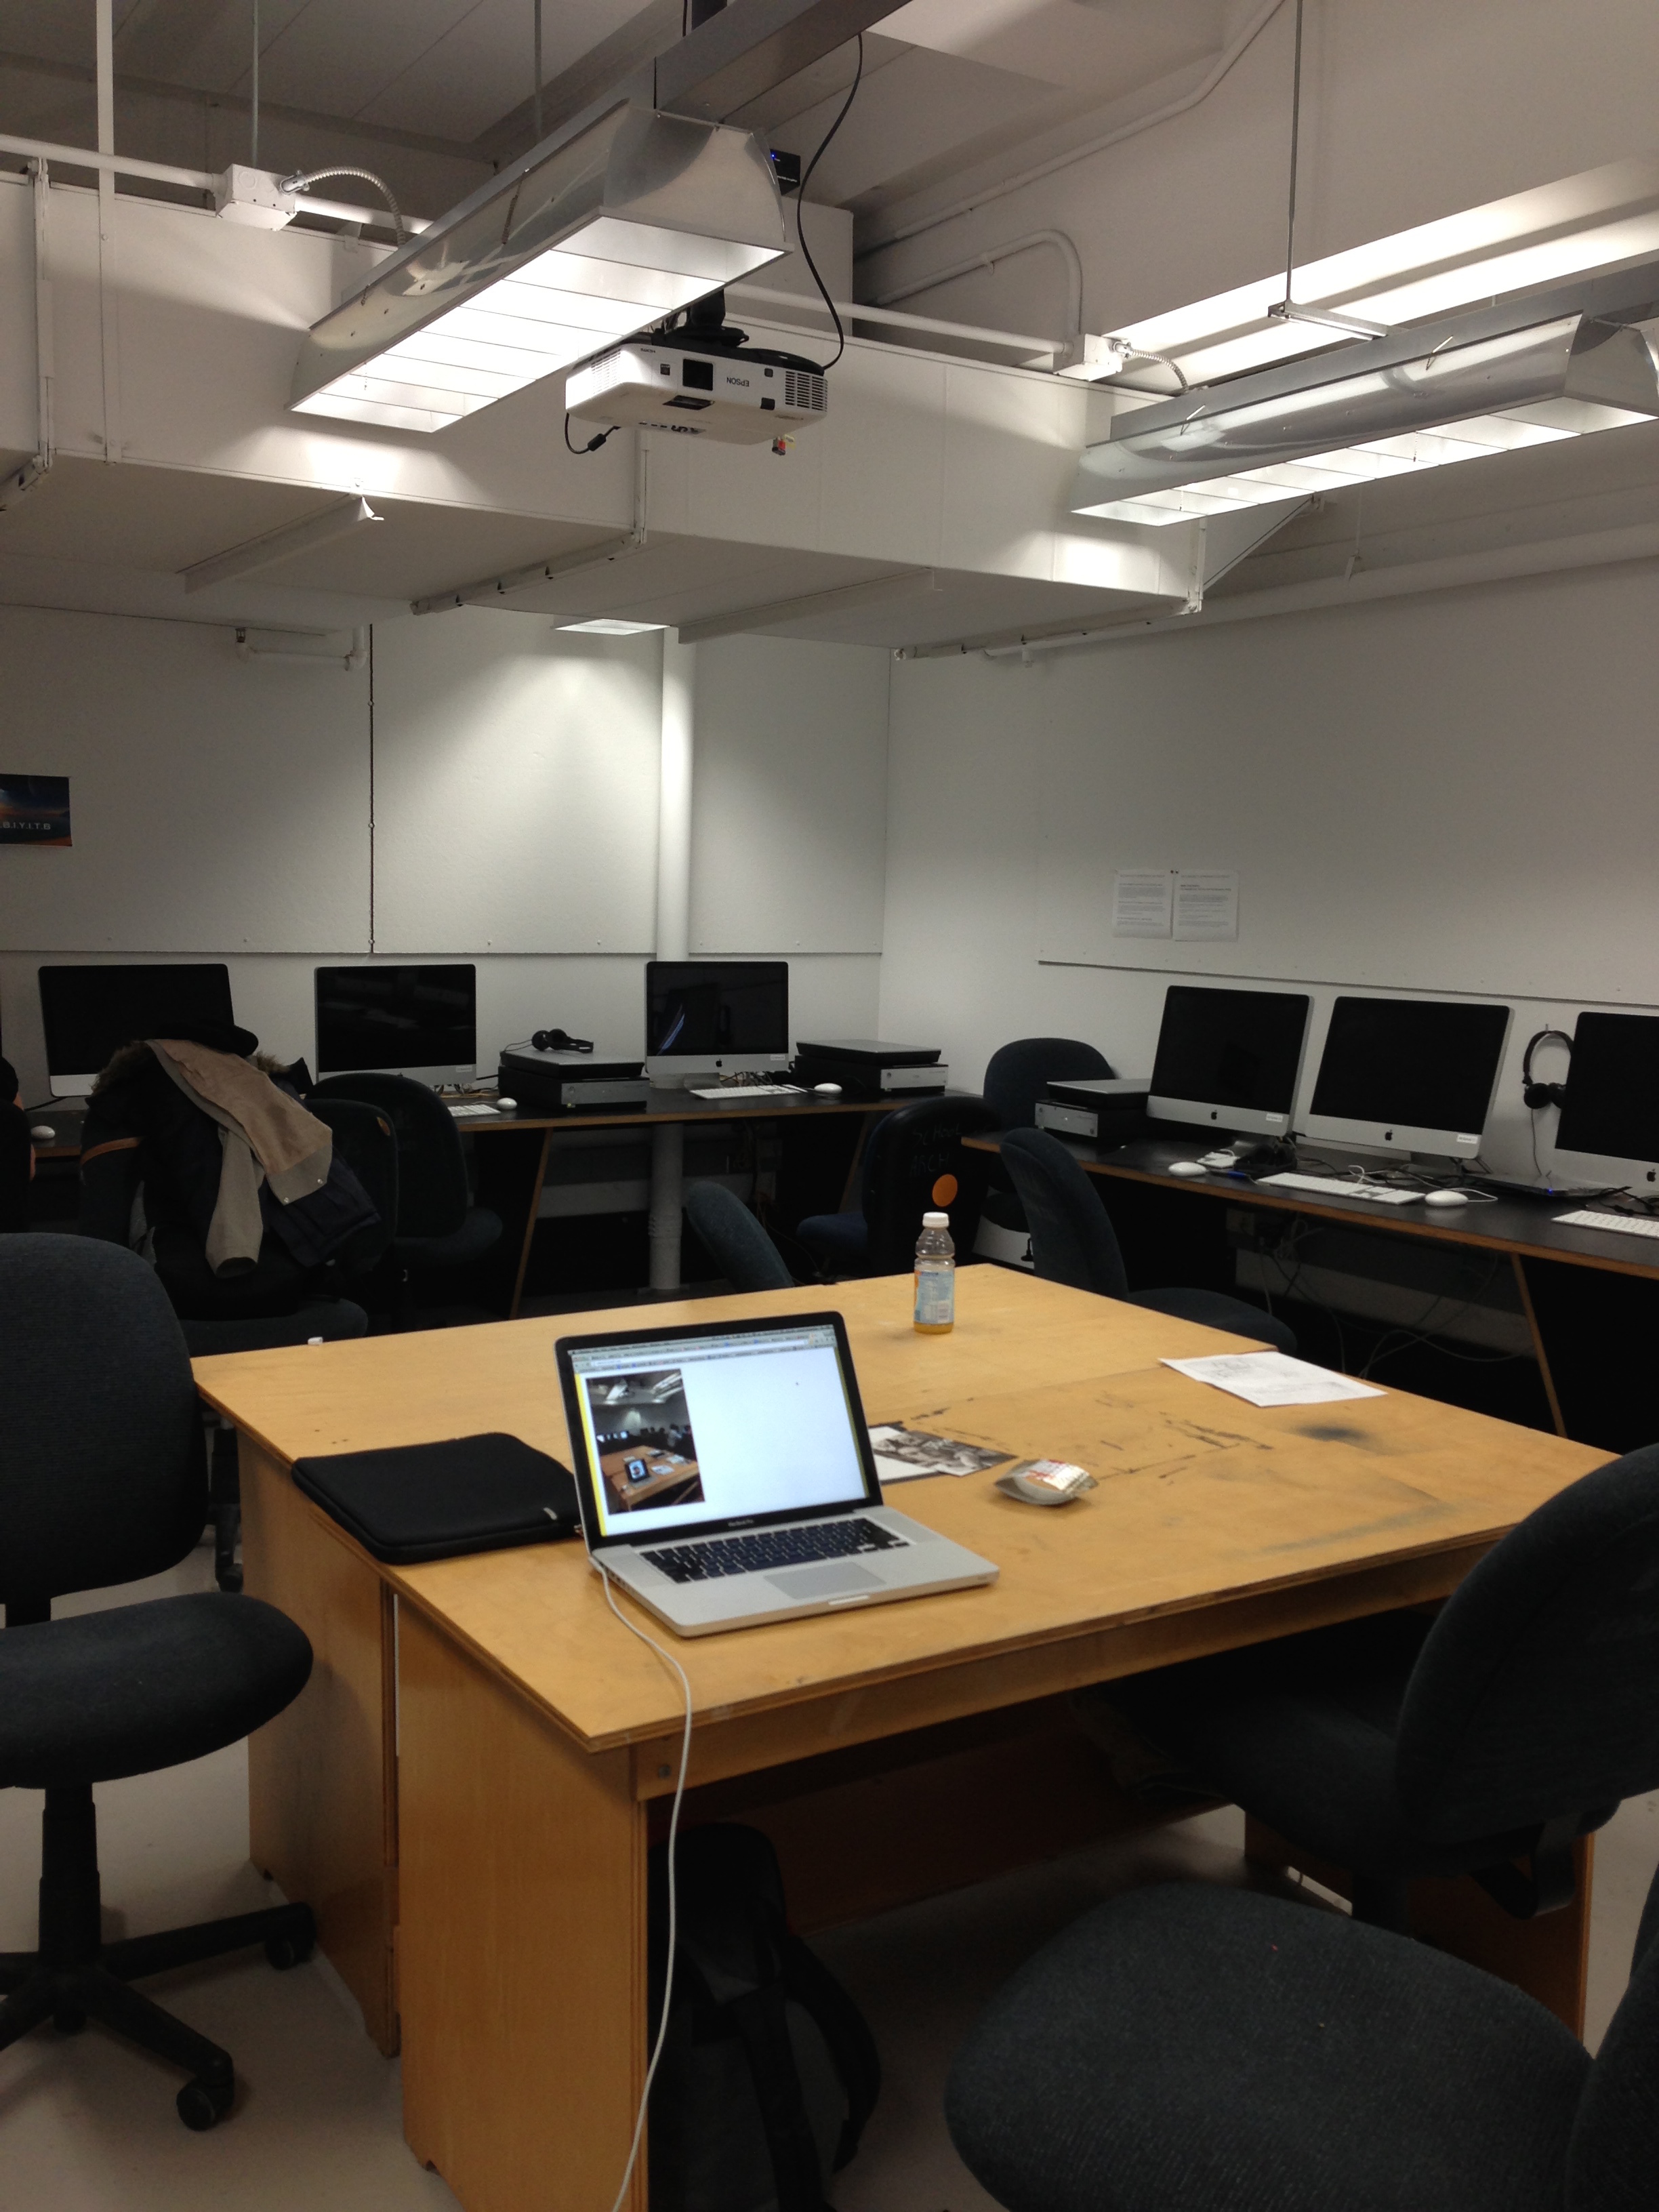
68	2023
286	1951
202	2104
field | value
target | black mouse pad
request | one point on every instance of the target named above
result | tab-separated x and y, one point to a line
415	1501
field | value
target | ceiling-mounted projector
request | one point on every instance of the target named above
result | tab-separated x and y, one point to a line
702	379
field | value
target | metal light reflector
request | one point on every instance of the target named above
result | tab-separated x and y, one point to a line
570	249
1423	399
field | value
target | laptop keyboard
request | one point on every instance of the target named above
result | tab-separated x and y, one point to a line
715	1556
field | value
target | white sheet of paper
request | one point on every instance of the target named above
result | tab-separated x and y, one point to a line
1142	901
1273	1378
1205	903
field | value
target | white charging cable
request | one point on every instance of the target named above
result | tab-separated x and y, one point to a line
669	1661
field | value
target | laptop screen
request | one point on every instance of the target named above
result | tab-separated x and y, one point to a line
712	1426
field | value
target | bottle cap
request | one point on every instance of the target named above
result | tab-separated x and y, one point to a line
936	1221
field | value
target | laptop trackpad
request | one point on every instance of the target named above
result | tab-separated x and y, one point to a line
833	1579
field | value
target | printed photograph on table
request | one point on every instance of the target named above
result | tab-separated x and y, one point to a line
647	1453
903	1455
34	810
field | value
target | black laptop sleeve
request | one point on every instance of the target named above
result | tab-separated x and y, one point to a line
415	1501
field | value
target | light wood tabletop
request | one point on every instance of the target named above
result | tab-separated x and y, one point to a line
1202	1497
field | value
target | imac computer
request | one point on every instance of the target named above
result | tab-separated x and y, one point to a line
394	1020
1413	1075
707	1018
90	1013
1608	1132
1229	1060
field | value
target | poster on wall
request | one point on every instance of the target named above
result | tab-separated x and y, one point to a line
34	810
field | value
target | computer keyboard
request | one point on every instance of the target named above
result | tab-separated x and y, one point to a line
1342	1187
715	1556
1626	1225
740	1094
471	1113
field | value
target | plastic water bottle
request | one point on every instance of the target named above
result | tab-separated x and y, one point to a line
936	1276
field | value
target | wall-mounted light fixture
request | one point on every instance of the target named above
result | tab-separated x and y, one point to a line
599	232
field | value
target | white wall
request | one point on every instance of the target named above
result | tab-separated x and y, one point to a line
1449	793
222	809
789	802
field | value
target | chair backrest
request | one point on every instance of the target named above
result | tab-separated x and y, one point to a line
432	1192
104	1477
1016	1075
914	1160
366	1140
16	1150
1536	1692
734	1240
1072	1240
1613	2153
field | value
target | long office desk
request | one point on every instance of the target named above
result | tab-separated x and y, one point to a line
467	1788
513	1175
1594	1378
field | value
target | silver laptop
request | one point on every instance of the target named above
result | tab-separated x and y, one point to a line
726	1475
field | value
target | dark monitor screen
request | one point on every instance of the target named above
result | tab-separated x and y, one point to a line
1611	1106
397	1019
90	1013
1414	1063
696	1007
1230	1049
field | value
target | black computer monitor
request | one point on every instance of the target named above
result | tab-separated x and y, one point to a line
1411	1074
1229	1059
716	1018
394	1020
89	1013
1609	1126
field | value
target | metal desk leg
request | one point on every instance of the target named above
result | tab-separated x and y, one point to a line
667	1191
1539	1353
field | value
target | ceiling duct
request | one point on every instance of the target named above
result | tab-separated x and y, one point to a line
1524	373
598	232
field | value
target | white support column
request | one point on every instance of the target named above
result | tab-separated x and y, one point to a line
109	324
680	665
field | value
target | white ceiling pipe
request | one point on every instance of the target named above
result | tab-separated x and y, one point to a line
862	311
197	181
1223	62
1032	242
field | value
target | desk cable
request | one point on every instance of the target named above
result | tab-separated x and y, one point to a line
671	1661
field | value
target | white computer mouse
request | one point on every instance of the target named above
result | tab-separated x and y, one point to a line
506	1105
1187	1168
1447	1198
827	1090
42	1135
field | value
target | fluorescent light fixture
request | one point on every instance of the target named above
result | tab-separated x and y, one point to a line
1526	374
608	626
1599	220
596	233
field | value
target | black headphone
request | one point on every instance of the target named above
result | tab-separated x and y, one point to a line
1543	1094
560	1041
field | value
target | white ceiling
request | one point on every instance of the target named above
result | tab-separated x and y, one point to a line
967	75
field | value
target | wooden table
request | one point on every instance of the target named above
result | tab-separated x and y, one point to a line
467	1788
1521	1235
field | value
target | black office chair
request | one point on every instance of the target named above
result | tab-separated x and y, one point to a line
1192	2049
1016	1075
111	1173
366	1140
1511	1723
734	1240
438	1226
1072	1241
914	1160
104	1483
